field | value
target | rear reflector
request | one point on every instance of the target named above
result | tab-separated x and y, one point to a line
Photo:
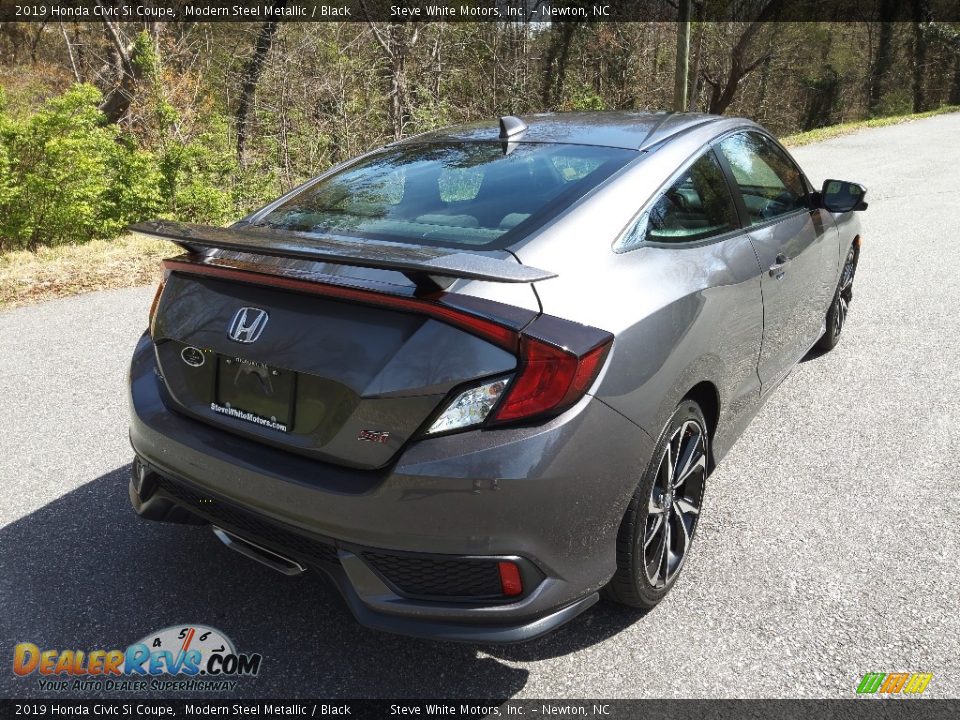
510	581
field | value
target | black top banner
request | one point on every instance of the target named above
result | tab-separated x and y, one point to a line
501	11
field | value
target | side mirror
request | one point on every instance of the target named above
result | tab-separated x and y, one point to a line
840	196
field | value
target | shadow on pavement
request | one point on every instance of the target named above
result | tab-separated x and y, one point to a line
813	353
602	621
84	572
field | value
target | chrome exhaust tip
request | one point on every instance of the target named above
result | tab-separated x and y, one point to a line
273	560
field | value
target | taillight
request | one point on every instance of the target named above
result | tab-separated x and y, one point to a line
551	379
156	301
559	361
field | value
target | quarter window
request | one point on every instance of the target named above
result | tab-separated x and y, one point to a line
696	207
770	183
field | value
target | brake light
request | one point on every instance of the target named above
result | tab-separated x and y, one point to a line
551	379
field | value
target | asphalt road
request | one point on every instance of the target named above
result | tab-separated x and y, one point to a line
827	547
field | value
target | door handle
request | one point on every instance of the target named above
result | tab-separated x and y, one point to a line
778	269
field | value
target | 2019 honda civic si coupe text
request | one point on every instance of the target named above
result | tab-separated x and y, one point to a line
481	375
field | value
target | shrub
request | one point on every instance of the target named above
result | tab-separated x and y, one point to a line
67	176
57	161
199	177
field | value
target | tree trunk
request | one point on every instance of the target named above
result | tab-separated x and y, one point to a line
73	62
955	87
116	102
764	84
555	64
695	73
921	16
681	79
883	60
251	78
396	45
399	109
824	93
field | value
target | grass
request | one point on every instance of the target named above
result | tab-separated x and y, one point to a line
29	277
832	131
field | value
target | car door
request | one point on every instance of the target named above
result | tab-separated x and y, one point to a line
690	281
790	245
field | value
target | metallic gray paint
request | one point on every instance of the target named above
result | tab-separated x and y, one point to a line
690	313
631	130
707	314
516	491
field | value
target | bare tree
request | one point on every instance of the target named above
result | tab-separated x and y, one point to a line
251	77
555	63
921	19
123	73
954	98
396	43
743	59
73	62
882	58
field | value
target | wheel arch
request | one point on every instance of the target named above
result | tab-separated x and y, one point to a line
855	244
707	396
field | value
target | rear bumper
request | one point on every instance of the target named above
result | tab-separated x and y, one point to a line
358	585
551	497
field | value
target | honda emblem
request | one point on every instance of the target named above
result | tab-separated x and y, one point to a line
247	325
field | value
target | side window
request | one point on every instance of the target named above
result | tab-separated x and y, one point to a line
696	207
770	183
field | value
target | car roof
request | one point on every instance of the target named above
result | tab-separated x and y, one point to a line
621	129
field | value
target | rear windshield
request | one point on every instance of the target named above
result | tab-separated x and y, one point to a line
463	194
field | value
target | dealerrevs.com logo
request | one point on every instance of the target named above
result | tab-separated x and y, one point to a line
179	659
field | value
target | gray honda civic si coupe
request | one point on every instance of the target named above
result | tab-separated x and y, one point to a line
482	375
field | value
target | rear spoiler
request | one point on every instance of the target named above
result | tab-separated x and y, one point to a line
431	268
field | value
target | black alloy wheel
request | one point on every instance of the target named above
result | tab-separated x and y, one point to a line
840	307
658	528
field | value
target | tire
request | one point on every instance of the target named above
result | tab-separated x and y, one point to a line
645	573
840	306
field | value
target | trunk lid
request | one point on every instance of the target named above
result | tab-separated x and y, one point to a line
317	344
345	382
